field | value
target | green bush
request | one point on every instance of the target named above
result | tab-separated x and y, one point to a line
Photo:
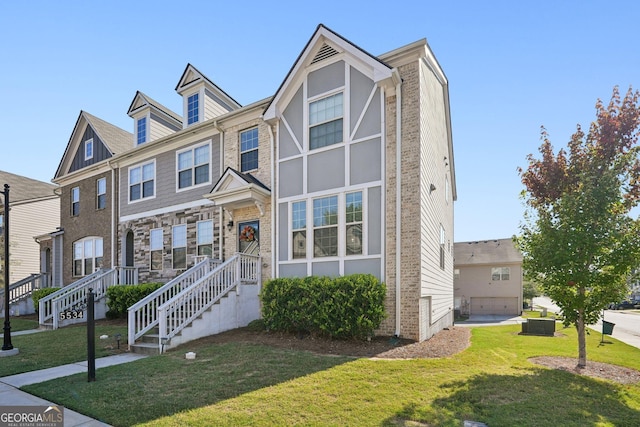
342	307
38	294
120	298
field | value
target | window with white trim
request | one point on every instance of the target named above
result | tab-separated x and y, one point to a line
353	219
193	109
75	201
87	256
142	181
249	150
88	149
325	226
325	121
299	229
156	246
179	247
204	238
193	166
456	273
141	130
500	273
101	193
1	225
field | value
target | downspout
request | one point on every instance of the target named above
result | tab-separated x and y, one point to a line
221	209
273	201
114	205
398	81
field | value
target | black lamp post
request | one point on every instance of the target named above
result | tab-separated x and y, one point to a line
7	323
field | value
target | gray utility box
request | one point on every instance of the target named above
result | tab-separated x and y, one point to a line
545	327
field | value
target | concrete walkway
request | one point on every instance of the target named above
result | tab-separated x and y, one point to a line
11	395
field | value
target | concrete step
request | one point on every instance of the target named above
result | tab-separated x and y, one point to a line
145	348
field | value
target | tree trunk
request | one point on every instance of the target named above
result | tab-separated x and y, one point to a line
582	341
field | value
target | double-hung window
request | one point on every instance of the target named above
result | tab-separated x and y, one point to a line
249	150
141	130
299	229
88	149
155	247
204	238
442	243
325	226
193	166
75	201
142	181
353	221
101	193
325	121
500	273
87	256
192	109
179	246
1	226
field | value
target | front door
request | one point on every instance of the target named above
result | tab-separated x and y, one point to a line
248	237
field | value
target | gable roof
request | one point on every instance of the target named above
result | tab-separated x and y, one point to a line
23	189
140	100
115	139
486	252
325	43
235	189
191	77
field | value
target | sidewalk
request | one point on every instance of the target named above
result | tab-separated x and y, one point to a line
11	395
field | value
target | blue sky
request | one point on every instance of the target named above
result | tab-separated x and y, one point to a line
512	67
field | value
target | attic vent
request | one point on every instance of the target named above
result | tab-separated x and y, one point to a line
325	52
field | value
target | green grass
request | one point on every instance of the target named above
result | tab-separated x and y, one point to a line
22	323
46	349
243	384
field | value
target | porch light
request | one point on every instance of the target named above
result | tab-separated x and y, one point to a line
230	225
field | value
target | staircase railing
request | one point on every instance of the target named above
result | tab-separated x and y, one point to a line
183	308
24	288
143	315
74	296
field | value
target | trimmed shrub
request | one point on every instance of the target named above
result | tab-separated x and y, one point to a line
120	298
342	307
38	294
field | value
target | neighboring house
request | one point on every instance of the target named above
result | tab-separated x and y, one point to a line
35	209
348	168
488	277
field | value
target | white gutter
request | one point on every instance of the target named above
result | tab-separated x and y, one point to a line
114	225
221	209
273	201
398	81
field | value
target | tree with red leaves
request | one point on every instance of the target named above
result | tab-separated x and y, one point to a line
579	239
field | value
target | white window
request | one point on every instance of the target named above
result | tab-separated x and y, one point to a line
299	229
442	243
325	121
1	225
194	166
249	150
141	130
193	109
156	247
353	216
101	193
87	256
88	149
204	237
325	226
179	247
75	201
500	273
456	273
142	181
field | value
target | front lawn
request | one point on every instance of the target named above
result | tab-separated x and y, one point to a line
247	384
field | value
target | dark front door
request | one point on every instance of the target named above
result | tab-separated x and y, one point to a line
248	237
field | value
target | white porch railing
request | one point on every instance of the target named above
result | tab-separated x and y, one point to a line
24	288
143	315
183	308
74	296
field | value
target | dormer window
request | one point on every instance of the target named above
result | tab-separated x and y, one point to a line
141	130
192	109
88	149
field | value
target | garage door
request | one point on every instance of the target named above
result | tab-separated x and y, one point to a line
494	305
